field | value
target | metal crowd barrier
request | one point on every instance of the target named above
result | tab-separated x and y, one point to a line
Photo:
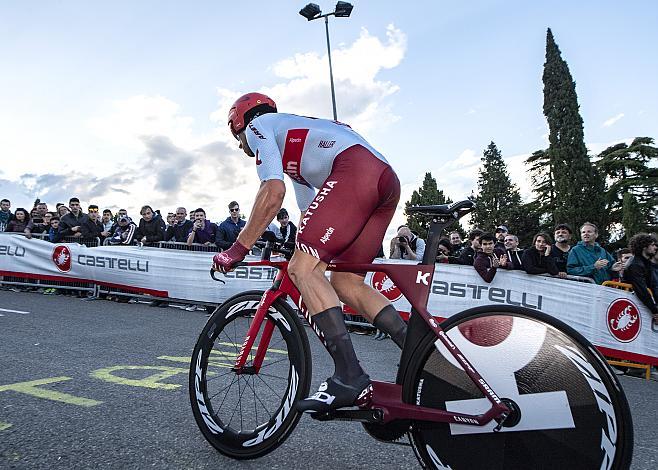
29	282
184	246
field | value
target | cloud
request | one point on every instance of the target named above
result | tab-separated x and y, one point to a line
613	120
164	159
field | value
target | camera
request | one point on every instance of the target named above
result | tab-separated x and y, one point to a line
403	239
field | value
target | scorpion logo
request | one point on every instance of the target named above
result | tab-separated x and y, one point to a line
624	320
62	258
385	285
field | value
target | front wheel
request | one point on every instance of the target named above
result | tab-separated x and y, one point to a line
247	415
571	410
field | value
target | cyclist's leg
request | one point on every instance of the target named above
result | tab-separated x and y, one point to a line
349	379
350	286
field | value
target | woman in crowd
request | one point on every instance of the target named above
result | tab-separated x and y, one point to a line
537	259
62	210
21	223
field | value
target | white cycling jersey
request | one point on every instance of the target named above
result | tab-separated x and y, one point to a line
304	148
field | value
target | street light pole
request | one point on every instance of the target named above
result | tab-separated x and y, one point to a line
331	73
312	12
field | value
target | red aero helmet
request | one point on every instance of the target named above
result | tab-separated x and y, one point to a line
237	119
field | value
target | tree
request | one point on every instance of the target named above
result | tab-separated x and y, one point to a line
542	179
428	194
578	186
632	184
498	201
632	220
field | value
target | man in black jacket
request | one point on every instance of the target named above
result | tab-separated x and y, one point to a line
468	254
639	271
74	223
514	253
151	228
177	232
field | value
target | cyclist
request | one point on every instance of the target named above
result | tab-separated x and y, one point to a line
344	222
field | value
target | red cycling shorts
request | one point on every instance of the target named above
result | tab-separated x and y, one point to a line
348	218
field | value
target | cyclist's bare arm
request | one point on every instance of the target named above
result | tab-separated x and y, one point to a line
268	202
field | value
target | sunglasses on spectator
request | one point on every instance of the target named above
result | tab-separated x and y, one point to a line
235	209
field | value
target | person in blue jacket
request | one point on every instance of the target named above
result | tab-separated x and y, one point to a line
589	259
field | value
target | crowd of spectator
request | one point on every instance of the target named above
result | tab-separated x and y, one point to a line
557	256
487	252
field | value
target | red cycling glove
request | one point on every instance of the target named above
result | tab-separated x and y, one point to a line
226	260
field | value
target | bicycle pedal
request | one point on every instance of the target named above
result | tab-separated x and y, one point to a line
350	414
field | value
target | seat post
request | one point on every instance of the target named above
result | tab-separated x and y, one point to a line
434	235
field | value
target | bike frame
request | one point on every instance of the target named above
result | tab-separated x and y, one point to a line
414	282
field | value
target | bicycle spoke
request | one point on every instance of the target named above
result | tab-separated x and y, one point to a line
273	376
259	400
271	389
272	363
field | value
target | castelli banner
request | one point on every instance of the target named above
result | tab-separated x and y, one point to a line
612	319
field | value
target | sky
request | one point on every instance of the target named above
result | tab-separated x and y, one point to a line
124	103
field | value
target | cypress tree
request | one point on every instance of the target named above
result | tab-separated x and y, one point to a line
542	179
498	201
578	186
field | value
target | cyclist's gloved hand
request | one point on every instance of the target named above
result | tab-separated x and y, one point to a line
226	260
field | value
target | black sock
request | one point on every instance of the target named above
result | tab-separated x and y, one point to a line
388	320
338	343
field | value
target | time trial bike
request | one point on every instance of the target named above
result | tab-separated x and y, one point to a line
492	387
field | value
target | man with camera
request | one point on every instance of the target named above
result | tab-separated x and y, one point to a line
406	245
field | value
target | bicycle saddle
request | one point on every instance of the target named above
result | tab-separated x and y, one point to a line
457	210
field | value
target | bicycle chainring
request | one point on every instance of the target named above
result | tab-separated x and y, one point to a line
390	432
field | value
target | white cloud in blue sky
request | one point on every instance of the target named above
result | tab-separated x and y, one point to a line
129	99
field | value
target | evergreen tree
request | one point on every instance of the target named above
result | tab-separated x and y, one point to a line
632	220
498	201
629	172
428	194
542	179
578	186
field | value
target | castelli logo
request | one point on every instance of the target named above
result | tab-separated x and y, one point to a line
383	284
62	258
624	321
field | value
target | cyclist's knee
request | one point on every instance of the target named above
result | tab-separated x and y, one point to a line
302	266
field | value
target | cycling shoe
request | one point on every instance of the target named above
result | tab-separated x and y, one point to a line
334	394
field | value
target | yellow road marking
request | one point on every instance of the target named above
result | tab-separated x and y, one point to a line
4	426
151	381
31	388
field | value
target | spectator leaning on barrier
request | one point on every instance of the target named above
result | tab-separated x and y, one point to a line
229	230
467	255
53	231
513	252
406	245
151	228
561	248
624	256
639	272
501	232
62	210
124	233
107	223
94	225
203	231
5	214
456	243
588	259
443	254
21	223
537	259
179	230
74	224
488	260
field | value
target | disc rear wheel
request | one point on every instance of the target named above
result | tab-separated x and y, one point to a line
569	408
